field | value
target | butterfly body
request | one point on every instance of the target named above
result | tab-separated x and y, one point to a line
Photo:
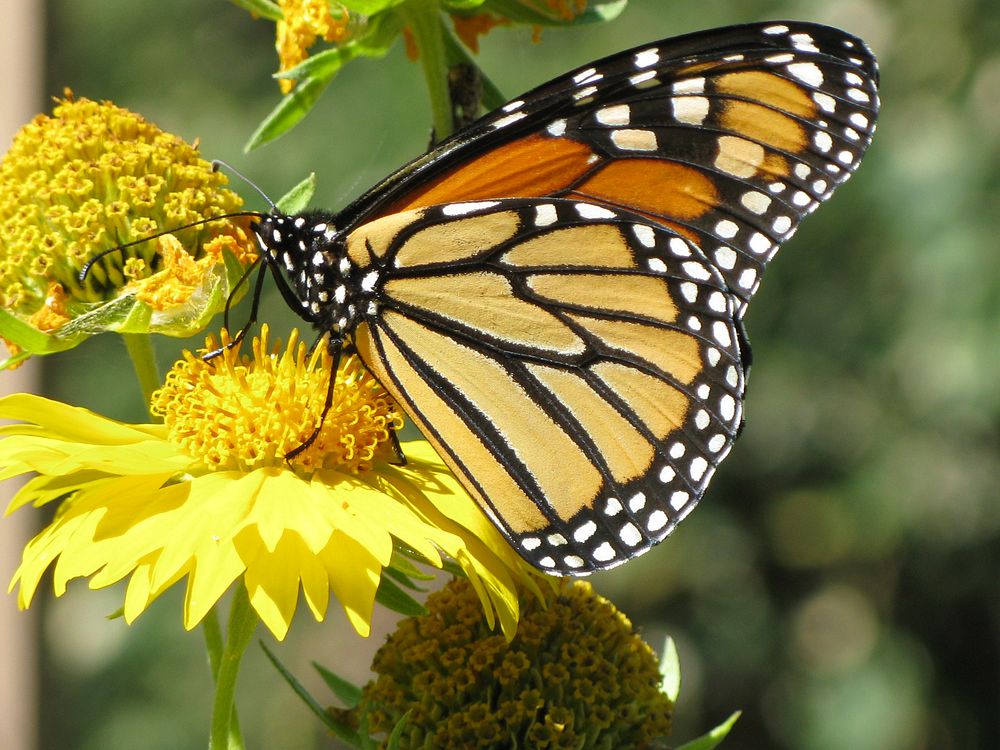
555	294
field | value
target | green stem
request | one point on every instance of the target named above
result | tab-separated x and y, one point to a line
242	623
213	641
140	351
423	18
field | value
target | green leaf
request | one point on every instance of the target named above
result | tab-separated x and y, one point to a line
263	8
325	64
400	563
450	566
378	36
14	360
462	5
391	596
297	199
288	113
370	7
347	692
670	668
116	615
397	732
713	738
347	734
402	579
516	11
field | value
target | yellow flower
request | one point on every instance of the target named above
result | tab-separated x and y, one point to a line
303	22
576	676
89	178
208	495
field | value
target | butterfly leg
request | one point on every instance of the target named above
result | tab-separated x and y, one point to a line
254	305
336	346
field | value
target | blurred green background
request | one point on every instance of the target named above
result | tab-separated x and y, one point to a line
839	581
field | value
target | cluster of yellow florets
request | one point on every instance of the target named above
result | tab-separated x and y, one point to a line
240	412
303	22
575	676
88	178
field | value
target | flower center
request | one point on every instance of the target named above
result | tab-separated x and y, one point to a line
236	412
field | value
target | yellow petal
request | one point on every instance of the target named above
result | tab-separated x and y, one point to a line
354	575
53	419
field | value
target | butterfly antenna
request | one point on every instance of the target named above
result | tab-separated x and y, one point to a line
217	163
120	248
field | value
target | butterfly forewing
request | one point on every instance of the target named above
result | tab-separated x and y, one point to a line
729	138
578	366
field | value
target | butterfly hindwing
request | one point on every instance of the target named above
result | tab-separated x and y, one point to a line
578	366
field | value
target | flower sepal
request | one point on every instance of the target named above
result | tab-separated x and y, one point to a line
199	288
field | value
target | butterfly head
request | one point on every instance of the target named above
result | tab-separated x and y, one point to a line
311	257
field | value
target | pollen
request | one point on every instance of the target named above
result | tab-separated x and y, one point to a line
239	412
88	178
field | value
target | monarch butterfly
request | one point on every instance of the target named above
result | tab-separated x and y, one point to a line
555	294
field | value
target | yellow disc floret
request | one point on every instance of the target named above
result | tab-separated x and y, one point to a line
241	412
575	676
303	22
89	178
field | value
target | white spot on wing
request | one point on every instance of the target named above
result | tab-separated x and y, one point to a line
545	214
630	534
460	209
755	201
646	58
690	86
690	109
604	553
642	80
725	258
807	72
584	532
644	234
616	114
590	211
509	119
656	521
629	139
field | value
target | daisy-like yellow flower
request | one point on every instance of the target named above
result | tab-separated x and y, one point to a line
302	23
209	496
577	675
89	178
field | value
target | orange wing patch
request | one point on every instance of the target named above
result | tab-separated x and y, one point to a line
526	168
653	186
